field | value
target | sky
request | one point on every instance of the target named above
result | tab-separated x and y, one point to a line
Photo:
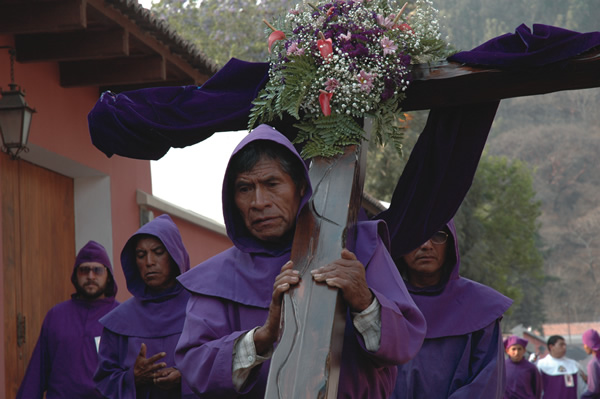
192	177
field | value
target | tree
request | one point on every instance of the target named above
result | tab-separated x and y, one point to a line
498	233
223	29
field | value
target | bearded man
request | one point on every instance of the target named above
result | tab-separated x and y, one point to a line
66	354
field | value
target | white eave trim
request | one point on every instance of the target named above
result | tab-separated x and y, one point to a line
150	201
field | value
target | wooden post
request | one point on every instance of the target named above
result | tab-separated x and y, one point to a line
306	362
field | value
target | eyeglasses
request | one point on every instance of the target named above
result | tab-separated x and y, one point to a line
85	270
439	237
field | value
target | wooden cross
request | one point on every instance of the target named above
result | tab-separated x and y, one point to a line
306	362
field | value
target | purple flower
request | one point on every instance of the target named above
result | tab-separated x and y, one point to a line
357	50
366	80
388	91
389	47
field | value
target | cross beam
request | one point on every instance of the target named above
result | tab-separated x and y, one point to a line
450	83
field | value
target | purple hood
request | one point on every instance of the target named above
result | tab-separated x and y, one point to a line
95	252
236	229
244	284
457	305
149	314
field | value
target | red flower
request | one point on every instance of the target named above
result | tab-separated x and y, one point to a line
276	35
330	11
324	99
404	27
325	47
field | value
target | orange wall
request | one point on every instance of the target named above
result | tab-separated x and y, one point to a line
60	126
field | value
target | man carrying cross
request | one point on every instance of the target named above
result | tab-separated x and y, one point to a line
233	317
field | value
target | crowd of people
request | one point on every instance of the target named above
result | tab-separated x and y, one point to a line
414	327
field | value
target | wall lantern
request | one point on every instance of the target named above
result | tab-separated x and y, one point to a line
15	115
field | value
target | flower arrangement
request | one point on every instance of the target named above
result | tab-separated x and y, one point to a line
335	62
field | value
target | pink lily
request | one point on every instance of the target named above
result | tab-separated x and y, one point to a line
324	99
275	36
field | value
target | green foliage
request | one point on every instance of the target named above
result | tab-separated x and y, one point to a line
326	136
385	163
498	230
386	123
223	29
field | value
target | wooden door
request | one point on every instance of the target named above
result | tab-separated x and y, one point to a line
38	243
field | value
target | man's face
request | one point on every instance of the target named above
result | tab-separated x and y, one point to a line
154	264
559	349
515	352
267	199
92	278
425	263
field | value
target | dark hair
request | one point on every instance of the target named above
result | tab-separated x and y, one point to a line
554	339
249	156
110	285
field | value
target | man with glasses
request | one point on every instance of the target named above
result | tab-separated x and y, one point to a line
66	354
462	355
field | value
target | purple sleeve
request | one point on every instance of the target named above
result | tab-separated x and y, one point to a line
113	379
35	381
204	353
486	366
593	389
438	174
402	324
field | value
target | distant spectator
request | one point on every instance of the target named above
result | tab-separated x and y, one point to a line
559	373
523	380
591	344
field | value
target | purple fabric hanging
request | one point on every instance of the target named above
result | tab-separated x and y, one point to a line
526	48
146	123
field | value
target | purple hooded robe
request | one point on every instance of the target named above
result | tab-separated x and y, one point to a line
65	356
592	340
150	318
231	293
523	380
462	356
